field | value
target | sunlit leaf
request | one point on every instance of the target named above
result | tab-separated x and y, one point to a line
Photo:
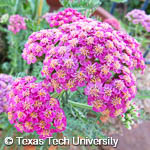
4	3
119	1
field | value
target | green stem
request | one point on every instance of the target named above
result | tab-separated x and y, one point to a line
11	71
57	95
75	104
54	95
80	105
61	94
40	7
16	6
142	96
14	54
136	30
67	96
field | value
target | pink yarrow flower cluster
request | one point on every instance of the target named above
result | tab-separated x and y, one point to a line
5	87
69	15
16	23
139	17
48	15
33	109
89	54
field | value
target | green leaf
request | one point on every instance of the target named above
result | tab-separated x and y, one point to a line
45	7
16	6
119	1
4	3
32	5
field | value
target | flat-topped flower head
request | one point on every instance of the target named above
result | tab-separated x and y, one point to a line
137	16
91	54
35	111
68	15
38	44
5	87
16	23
